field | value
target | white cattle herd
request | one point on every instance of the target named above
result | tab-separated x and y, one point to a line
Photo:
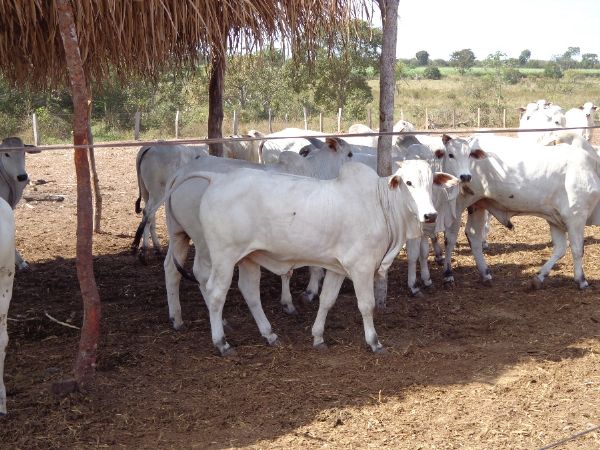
281	202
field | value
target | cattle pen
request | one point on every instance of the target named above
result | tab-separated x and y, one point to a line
475	366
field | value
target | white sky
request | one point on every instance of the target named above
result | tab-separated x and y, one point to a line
546	27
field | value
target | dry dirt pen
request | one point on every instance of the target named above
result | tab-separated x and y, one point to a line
473	367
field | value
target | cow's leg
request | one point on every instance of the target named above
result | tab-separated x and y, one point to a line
380	286
474	232
331	288
437	250
412	255
575	230
451	236
6	285
215	292
312	290
20	262
178	249
486	231
155	241
286	295
363	283
559	248
423	262
249	284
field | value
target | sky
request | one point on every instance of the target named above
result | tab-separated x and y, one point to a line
545	27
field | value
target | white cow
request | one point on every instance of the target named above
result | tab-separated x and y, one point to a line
560	184
269	149
550	116
14	178
155	165
581	117
353	226
241	147
7	273
323	164
372	141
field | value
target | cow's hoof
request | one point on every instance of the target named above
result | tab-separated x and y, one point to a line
177	325
416	293
229	352
322	347
142	257
307	298
535	284
439	260
485	246
583	284
487	282
289	310
2	414
24	267
275	343
380	350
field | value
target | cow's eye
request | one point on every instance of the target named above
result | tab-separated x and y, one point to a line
408	183
450	155
350	155
7	155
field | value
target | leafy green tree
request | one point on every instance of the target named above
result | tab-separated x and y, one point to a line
432	73
524	57
566	61
589	61
553	70
422	58
463	60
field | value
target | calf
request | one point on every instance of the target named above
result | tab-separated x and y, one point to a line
352	226
581	117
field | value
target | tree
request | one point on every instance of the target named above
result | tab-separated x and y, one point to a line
422	58
524	57
566	61
553	70
432	73
589	61
463	60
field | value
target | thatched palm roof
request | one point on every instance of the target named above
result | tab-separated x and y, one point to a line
146	36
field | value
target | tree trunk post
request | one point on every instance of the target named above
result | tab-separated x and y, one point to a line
85	362
478	117
234	126
321	122
370	118
339	120
387	83
305	111
96	182
270	120
177	125
215	103
504	118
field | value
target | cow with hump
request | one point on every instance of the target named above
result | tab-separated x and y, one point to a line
7	273
353	226
509	177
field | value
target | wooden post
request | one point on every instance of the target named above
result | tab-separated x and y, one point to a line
36	135
270	120
504	118
401	114
478	117
286	118
136	133
305	110
453	118
96	183
85	361
370	118
321	122
234	126
339	120
215	102
426	119
177	125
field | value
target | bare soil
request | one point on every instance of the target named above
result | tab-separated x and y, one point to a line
473	367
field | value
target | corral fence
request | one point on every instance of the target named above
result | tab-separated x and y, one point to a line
56	128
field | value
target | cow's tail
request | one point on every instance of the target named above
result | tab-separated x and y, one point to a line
138	234
138	202
185	273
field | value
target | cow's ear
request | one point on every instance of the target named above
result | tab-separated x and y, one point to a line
446	139
478	154
444	179
521	109
594	108
305	151
334	144
394	181
581	107
439	153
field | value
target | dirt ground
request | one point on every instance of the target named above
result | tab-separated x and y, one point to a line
474	367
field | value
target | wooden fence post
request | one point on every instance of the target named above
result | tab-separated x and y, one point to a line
286	118
339	120
305	110
321	122
478	117
234	125
401	114
504	118
136	133
36	135
177	125
270	120
370	118
426	119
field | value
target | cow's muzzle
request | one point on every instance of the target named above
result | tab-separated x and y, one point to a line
465	178
22	177
430	218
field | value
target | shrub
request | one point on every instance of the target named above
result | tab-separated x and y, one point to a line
553	70
512	75
432	73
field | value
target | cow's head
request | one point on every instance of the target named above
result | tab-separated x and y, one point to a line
416	178
12	160
457	156
337	147
588	108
